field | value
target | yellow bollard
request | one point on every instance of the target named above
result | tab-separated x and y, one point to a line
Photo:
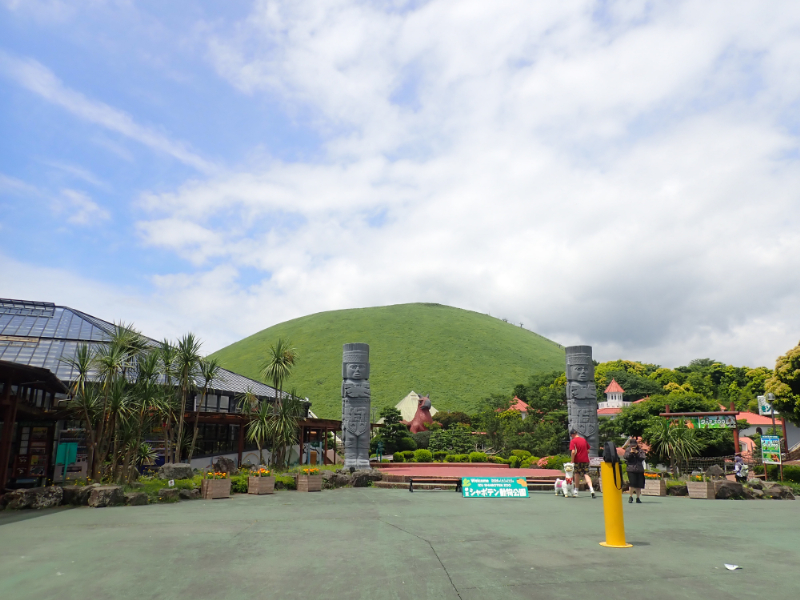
612	506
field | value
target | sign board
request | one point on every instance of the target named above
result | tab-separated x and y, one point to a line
712	422
595	461
771	449
765	407
494	487
67	453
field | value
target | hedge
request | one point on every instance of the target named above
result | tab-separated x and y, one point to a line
478	457
398	457
422	455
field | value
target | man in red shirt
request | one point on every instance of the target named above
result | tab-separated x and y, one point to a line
579	449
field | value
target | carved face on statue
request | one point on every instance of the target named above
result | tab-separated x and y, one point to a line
356	371
580	373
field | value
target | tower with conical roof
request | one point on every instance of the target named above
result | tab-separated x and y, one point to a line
613	394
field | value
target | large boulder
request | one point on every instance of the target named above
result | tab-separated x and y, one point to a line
729	489
757	493
224	465
135	499
175	471
756	484
188	494
36	498
365	478
780	492
106	495
715	471
677	490
77	495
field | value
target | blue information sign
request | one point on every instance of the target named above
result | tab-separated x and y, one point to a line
494	487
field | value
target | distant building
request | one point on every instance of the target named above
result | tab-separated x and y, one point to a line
614	401
408	407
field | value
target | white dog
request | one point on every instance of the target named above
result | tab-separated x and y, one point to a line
567	486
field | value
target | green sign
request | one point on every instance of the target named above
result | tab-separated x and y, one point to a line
494	487
711	422
67	453
771	449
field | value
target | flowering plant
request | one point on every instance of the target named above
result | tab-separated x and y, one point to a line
262	472
652	476
696	478
216	475
311	471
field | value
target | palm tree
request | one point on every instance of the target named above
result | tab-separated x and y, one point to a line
672	440
277	368
209	370
282	427
85	405
187	363
260	414
167	354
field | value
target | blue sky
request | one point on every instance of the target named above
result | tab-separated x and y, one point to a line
621	174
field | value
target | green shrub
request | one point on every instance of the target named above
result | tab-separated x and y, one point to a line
450	458
407	454
422	439
239	484
478	457
557	461
521	454
463	457
525	464
422	455
790	473
398	457
285	482
412	460
514	462
439	455
499	460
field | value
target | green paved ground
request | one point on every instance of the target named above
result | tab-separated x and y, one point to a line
372	544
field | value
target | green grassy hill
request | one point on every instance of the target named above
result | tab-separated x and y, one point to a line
458	356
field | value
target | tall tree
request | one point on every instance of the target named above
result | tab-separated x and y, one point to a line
785	385
187	366
281	360
209	370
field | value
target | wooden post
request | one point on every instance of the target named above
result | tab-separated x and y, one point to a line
300	446
241	443
325	451
9	420
334	446
736	440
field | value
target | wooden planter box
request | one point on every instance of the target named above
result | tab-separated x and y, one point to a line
215	488
260	485
309	483
701	489
654	487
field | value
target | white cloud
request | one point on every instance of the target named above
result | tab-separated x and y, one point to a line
626	179
38	79
79	208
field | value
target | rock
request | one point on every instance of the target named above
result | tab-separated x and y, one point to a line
106	495
677	490
135	499
136	485
188	494
133	473
77	495
224	465
326	475
36	498
747	493
729	489
757	493
341	480
365	478
780	492
168	494
755	484
715	471
175	471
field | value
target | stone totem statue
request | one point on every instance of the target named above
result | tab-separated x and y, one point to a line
356	405
582	395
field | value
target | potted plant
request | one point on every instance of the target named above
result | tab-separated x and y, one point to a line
654	485
309	480
215	485
261	481
699	487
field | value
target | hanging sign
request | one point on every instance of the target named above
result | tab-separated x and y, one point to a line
494	487
711	422
765	408
771	449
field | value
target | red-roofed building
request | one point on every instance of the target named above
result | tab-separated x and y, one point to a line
614	402
518	405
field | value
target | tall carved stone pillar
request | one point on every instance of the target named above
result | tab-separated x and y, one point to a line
356	405
582	395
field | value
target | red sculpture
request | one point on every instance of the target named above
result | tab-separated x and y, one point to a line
422	416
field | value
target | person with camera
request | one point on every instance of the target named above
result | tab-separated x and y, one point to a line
634	458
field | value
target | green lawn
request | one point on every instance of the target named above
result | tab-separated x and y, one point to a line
456	355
